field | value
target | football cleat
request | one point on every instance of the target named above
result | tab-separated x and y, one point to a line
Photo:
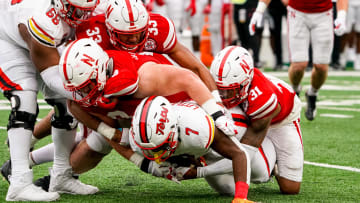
240	200
310	110
22	189
6	170
64	182
43	182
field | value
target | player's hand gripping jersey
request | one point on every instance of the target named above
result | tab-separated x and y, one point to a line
265	93
161	33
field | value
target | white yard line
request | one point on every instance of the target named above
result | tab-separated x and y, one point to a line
308	73
346	168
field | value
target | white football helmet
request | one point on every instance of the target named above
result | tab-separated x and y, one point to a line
83	67
73	12
126	19
154	128
233	71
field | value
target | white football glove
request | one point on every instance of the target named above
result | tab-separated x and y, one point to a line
340	23
256	19
179	172
165	170
255	22
226	125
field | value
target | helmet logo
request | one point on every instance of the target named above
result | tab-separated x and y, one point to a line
88	60
160	126
245	66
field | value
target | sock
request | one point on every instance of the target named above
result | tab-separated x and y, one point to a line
64	141
297	88
34	140
42	155
241	190
312	91
19	139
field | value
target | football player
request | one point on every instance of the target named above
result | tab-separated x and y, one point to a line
30	33
161	130
271	106
97	78
126	25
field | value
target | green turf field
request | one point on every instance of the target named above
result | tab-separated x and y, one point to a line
333	138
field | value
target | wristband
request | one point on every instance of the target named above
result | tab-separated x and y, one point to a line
145	165
216	95
261	7
137	159
341	14
211	107
216	115
106	130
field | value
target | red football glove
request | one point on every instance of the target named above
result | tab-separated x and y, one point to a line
192	7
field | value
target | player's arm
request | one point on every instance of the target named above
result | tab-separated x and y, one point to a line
239	161
162	79
342	5
100	123
42	56
257	17
45	58
257	129
183	56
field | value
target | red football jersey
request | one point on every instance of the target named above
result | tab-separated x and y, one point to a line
265	93
311	6
161	38
124	82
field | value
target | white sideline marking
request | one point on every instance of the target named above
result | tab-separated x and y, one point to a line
346	168
336	115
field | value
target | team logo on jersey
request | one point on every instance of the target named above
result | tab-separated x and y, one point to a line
150	45
160	126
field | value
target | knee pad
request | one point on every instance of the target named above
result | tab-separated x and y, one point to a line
61	118
20	119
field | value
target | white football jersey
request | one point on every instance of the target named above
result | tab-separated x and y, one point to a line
41	19
196	129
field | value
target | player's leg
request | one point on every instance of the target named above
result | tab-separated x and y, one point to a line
18	83
88	153
322	43
299	39
287	139
357	30
63	134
